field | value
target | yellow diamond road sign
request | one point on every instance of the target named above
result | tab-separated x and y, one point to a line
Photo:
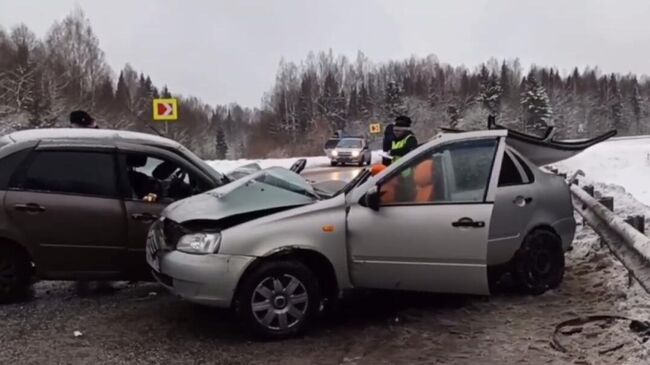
165	109
375	128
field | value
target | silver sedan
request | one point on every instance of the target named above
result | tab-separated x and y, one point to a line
451	216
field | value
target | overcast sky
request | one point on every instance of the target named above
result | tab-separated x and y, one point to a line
224	51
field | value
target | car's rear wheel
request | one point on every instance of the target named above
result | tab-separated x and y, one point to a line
539	263
278	299
333	163
15	273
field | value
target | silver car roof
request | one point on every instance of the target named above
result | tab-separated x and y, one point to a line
81	134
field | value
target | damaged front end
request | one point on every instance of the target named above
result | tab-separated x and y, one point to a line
260	194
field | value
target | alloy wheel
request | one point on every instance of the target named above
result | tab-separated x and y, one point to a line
280	302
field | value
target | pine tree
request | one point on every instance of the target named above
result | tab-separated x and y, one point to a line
536	105
122	97
394	102
490	94
637	103
616	103
165	94
221	147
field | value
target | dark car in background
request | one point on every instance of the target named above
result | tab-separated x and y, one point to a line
78	203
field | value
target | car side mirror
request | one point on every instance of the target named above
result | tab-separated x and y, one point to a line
372	199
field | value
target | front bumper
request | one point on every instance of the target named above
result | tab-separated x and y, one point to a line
347	159
203	279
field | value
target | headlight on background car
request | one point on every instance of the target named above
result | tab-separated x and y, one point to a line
199	243
355	153
335	153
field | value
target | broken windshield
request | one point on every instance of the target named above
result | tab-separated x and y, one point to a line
287	180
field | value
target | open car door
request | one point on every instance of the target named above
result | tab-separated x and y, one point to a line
546	149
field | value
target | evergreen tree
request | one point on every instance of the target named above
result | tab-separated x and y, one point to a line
122	97
616	103
394	102
490	94
221	148
536	105
637	103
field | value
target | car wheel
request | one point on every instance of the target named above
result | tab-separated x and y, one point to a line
539	263
362	161
278	299
333	163
15	273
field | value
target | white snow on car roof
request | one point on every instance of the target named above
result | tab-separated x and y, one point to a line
87	133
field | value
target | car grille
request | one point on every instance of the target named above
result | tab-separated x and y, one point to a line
173	232
345	154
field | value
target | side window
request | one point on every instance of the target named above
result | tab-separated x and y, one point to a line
509	173
527	170
155	179
9	164
454	173
74	172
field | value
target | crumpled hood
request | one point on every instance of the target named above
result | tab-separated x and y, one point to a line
238	197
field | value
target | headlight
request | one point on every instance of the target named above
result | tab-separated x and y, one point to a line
335	153
199	243
355	153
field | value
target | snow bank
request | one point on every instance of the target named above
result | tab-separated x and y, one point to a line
623	162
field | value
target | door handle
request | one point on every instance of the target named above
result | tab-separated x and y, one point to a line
144	217
468	222
521	201
30	208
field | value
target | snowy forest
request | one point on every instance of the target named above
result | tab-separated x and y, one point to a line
42	80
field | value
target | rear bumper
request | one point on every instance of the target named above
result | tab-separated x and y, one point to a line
203	279
566	229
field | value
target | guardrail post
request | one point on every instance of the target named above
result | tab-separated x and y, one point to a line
638	222
607	201
589	189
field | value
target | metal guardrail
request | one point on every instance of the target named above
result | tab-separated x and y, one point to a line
630	246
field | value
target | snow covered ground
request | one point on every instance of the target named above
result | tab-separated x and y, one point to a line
623	162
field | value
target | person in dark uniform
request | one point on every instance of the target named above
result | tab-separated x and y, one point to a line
81	119
389	136
404	140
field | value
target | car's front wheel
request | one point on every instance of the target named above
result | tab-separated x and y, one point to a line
333	163
15	273
539	263
278	299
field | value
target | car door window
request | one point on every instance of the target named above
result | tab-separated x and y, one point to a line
509	173
157	179
454	173
73	172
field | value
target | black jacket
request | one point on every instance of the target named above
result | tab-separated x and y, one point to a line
389	136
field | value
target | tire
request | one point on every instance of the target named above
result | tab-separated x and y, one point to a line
362	162
15	273
333	163
539	263
278	314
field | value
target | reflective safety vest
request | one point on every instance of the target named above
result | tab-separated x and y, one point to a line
399	145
